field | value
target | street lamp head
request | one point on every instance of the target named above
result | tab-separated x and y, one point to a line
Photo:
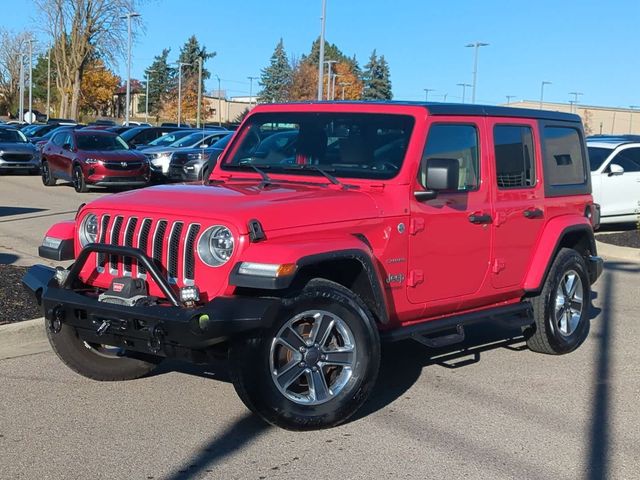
130	15
476	44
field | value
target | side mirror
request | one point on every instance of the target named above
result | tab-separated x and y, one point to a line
66	146
437	175
615	169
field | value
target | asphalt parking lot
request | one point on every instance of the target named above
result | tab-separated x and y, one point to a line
488	409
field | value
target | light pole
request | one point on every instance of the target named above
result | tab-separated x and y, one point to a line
344	84
146	98
321	56
128	16
464	89
30	41
632	107
329	63
426	93
542	91
475	46
444	97
180	65
199	92
575	99
509	97
219	103
48	83
333	85
21	102
251	79
571	104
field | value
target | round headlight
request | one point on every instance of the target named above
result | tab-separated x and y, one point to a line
89	230
215	246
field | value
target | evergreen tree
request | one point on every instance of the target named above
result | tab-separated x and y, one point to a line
376	79
40	81
160	76
276	79
189	53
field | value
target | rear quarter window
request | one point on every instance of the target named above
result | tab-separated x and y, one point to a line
565	166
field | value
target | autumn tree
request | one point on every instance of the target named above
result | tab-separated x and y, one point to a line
276	78
304	83
347	85
376	79
82	30
190	53
98	86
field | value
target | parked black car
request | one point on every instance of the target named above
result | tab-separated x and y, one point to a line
195	164
138	136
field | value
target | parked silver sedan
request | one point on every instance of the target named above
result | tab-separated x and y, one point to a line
16	152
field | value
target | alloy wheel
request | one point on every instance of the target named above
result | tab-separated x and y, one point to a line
569	303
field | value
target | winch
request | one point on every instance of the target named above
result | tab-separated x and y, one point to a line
127	291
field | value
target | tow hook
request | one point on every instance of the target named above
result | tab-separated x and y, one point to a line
54	320
155	341
102	329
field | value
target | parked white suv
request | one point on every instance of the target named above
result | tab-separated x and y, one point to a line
615	176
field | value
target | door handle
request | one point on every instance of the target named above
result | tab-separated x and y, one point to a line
532	213
479	218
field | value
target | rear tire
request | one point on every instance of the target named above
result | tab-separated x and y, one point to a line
91	361
561	311
79	182
322	373
47	177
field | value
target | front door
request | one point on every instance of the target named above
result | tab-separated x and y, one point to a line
450	236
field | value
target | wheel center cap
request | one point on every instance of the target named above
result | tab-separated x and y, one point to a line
312	356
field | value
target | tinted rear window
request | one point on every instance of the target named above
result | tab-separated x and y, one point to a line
564	160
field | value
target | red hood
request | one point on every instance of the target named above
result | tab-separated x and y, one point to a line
115	156
276	207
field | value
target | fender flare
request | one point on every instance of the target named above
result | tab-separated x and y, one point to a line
550	241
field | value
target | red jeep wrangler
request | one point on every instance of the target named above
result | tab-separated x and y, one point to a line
305	249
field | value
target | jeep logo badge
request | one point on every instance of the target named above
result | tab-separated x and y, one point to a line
395	278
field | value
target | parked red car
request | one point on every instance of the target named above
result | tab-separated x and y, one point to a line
92	157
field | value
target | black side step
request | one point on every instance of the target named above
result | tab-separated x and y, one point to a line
517	315
439	341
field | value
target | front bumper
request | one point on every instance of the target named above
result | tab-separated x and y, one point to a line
14	165
162	329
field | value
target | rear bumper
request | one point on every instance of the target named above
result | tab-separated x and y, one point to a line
595	265
164	330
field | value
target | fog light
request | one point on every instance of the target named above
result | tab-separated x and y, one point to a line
189	294
269	270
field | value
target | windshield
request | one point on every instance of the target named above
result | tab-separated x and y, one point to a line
352	145
99	142
12	136
170	138
132	132
190	140
597	156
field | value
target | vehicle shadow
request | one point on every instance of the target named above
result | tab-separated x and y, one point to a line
10	211
8	258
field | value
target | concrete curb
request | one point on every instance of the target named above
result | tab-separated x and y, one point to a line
23	338
607	250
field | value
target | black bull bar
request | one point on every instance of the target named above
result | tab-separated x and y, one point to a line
159	329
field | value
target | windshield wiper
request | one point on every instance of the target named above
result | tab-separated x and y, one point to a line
266	180
322	171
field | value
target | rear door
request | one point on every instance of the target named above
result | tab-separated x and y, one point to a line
450	236
52	151
518	197
621	192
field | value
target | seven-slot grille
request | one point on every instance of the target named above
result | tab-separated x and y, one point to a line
171	245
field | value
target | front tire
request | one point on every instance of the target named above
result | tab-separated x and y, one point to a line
561	311
79	182
97	362
315	366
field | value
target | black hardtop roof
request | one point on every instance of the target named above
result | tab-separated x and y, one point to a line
435	108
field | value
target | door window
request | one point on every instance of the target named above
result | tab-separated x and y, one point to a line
514	156
629	159
58	139
459	142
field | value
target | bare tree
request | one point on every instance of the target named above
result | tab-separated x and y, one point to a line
82	30
12	46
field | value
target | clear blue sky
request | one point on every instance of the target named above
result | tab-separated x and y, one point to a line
587	46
